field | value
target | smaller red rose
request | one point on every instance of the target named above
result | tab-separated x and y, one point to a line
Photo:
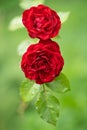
42	62
41	22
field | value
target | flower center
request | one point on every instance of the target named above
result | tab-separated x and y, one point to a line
40	62
39	21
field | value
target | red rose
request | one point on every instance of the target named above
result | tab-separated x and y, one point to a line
41	22
42	62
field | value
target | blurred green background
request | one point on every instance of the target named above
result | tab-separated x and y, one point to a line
73	104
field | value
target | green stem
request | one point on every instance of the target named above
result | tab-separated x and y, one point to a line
43	88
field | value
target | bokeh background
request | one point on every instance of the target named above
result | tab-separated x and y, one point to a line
73	43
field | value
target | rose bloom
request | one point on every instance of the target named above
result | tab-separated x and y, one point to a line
41	22
42	62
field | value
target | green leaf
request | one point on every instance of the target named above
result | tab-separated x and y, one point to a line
60	84
47	106
15	23
28	90
26	4
22	47
64	16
